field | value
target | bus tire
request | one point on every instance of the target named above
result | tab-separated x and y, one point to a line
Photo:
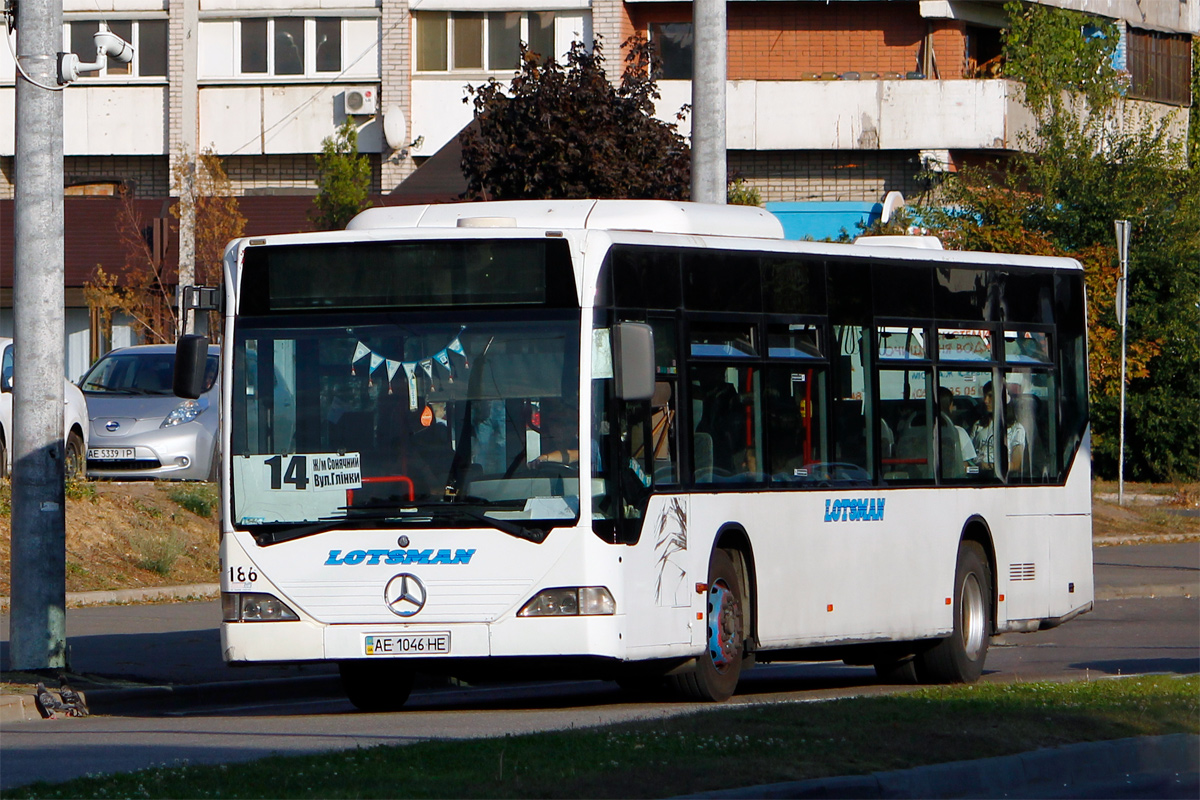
382	685
902	672
959	657
717	670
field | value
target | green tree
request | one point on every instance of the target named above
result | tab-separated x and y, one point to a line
1059	196
343	180
564	131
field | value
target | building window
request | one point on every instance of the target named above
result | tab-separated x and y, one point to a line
462	40
675	43
290	46
1160	66
148	37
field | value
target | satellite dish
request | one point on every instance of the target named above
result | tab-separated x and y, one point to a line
395	128
891	202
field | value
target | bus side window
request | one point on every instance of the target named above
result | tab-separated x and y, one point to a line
731	419
796	412
853	406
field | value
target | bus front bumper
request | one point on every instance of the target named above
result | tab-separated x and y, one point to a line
304	640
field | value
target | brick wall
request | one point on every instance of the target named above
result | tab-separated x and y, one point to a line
148	176
289	172
826	175
789	41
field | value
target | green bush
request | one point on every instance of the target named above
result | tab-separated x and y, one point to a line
198	498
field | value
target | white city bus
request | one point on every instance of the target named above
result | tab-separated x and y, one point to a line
646	441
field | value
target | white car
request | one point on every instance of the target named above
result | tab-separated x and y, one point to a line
75	418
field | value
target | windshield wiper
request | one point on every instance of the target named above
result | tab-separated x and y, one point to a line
392	513
535	535
286	533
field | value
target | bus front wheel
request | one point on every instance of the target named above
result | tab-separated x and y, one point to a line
718	669
382	685
959	657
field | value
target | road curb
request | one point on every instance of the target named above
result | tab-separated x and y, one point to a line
1046	772
160	700
196	591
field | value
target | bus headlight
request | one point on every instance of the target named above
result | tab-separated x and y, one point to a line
571	601
254	607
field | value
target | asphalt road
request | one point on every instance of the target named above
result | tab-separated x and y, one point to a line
179	643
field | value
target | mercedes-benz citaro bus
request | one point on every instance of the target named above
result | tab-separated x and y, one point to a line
646	441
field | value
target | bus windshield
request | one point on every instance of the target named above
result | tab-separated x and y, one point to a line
406	420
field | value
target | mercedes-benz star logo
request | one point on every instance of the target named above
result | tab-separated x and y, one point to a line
404	594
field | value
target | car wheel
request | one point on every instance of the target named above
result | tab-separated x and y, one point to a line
3	458
74	457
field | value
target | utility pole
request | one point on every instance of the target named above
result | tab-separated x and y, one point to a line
708	101
1122	229
38	622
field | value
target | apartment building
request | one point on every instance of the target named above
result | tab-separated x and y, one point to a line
828	101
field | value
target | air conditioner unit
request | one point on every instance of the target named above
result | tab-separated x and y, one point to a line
359	100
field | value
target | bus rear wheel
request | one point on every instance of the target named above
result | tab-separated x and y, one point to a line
382	685
959	657
718	669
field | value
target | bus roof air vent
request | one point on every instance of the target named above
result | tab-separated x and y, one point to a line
487	222
918	242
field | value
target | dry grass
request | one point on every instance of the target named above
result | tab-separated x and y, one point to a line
129	535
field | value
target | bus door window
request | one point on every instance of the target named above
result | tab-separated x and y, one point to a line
853	406
658	440
905	409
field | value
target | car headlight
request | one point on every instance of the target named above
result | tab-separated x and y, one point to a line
572	601
186	411
254	607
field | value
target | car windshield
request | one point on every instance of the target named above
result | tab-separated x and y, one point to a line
134	373
406	423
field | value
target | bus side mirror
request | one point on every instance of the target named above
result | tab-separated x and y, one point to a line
633	360
191	357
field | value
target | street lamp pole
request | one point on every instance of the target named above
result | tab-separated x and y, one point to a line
1122	230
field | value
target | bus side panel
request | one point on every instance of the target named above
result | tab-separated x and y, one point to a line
662	570
861	564
1072	580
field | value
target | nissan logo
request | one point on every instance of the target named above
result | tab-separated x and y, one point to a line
404	594
111	425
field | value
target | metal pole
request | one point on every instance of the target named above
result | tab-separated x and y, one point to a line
1122	230
38	622
709	175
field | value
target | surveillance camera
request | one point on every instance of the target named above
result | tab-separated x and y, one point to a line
113	46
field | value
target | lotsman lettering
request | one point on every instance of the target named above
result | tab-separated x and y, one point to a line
375	555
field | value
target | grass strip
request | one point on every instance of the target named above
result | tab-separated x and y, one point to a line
713	749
